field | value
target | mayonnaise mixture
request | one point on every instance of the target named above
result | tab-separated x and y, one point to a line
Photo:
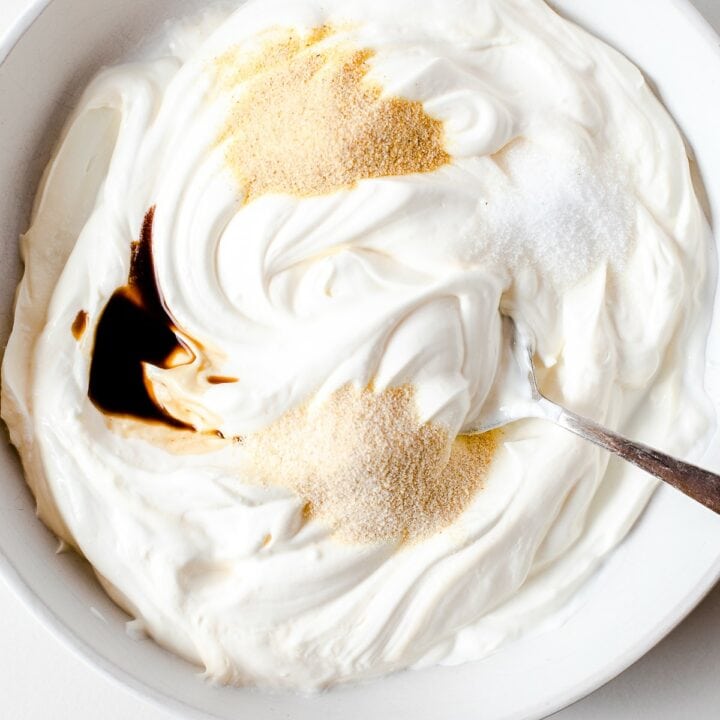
567	202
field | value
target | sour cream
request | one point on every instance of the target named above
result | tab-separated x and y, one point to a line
568	202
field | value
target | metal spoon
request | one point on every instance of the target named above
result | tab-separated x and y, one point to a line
516	396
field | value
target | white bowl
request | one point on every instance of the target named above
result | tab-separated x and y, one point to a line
657	576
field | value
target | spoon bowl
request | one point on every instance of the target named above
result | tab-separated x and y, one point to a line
516	396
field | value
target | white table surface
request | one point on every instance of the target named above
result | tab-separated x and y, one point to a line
41	680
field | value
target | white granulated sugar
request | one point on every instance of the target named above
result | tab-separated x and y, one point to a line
562	213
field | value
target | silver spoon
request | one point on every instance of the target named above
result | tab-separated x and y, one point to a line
516	396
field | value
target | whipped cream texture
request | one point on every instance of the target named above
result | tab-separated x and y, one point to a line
566	200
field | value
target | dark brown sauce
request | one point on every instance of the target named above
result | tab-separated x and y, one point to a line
135	328
79	325
221	379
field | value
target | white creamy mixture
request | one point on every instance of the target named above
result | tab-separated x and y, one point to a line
568	201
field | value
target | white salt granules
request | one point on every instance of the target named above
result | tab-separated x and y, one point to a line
563	213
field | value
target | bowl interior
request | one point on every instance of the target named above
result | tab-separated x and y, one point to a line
670	560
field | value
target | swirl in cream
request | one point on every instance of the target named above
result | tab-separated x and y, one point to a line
566	199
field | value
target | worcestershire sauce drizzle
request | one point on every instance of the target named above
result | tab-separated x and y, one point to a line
135	327
79	325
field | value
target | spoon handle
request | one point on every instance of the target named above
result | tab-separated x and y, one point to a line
699	484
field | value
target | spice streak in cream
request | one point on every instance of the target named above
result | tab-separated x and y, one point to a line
567	201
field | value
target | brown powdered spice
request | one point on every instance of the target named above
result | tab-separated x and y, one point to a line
369	468
308	122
